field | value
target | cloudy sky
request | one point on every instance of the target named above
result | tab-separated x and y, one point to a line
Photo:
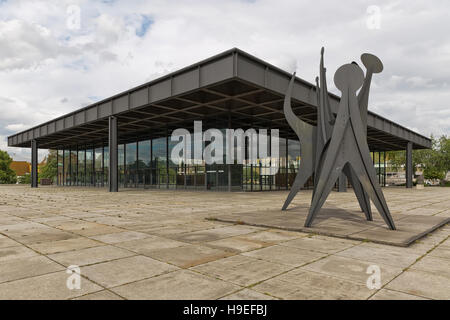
57	56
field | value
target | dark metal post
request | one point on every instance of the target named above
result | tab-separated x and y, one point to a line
57	167
63	179
409	168
103	166
85	166
151	161
113	156
70	168
94	174
167	158
342	182
34	164
78	161
229	151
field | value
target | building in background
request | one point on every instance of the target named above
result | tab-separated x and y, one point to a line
124	141
21	168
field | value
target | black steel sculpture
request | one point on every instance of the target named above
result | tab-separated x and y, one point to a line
338	144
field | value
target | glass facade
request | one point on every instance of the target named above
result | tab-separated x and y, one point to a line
145	164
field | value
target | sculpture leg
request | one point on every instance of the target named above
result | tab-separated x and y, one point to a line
299	182
368	180
323	189
361	195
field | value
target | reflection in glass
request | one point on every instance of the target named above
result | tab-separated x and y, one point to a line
105	165
81	168
60	167
89	167
98	180
144	162
121	164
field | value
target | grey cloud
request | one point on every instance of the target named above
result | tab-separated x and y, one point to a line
412	41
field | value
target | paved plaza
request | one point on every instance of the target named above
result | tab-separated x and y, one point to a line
165	244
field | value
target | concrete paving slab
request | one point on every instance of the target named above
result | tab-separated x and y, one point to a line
241	270
441	252
247	294
237	244
432	264
305	285
285	255
101	295
7	242
189	285
351	269
189	255
45	287
117	237
11	253
273	236
214	234
337	222
386	294
20	268
150	244
318	244
122	271
380	255
50	247
35	214
421	283
90	255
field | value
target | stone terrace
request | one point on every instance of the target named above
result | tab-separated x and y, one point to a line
158	244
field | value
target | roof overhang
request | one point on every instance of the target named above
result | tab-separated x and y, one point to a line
232	83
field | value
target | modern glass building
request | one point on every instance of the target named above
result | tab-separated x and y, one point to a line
124	141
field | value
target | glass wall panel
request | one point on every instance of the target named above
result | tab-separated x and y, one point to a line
131	165
106	165
144	162
60	167
281	176
74	165
176	171
66	167
293	160
81	168
121	164
98	166
159	158
89	167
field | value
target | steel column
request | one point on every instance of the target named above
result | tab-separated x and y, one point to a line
34	164
113	156
409	167
342	182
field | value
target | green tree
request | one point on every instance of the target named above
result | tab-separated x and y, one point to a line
7	175
434	162
50	170
25	179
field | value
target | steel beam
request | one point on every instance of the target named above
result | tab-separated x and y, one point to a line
113	156
34	164
409	166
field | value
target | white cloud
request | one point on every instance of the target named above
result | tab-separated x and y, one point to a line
47	70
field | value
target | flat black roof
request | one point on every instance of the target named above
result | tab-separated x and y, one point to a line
233	84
